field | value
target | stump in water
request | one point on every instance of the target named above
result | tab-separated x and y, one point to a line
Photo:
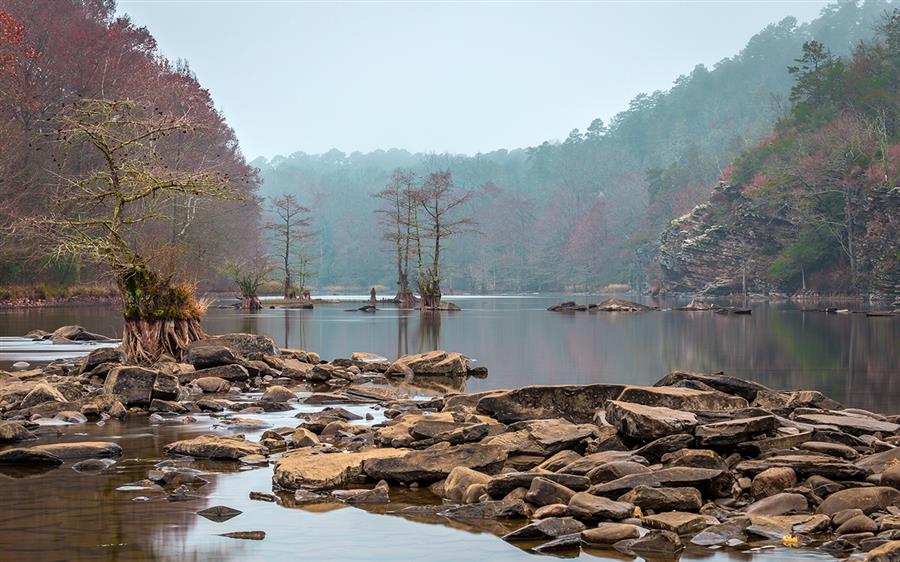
145	341
161	317
405	299
250	303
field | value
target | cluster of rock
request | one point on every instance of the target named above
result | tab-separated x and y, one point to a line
698	459
609	305
214	377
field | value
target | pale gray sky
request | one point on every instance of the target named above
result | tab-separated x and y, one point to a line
439	76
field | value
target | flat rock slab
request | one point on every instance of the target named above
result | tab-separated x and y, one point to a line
549	528
711	483
779	504
315	470
589	507
664	499
807	465
27	456
502	484
646	423
723	383
500	509
575	402
241	344
82	450
733	432
852	424
679	522
214	447
431	465
679	398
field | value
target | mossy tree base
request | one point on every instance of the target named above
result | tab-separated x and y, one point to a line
250	303
147	341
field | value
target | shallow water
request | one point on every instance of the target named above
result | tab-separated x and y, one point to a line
64	515
852	358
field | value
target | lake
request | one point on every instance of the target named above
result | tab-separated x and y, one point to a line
65	515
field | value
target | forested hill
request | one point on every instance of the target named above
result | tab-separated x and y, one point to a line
815	206
586	211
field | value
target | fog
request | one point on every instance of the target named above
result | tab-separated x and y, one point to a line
460	77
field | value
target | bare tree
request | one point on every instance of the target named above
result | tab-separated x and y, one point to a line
289	228
249	275
398	218
108	207
440	202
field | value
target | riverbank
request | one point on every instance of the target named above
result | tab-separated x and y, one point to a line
694	462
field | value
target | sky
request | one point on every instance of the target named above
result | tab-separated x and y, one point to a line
461	77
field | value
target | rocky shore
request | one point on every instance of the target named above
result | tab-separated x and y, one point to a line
697	461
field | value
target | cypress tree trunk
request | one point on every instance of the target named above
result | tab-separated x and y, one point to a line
161	317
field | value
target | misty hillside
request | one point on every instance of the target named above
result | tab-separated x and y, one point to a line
586	211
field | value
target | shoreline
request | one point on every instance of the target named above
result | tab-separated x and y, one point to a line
699	461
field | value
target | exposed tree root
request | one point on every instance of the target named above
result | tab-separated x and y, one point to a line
146	341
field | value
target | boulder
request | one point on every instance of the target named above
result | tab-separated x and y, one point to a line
733	432
165	387
711	483
11	431
805	465
241	344
850	423
657	543
215	447
664	499
431	363
890	476
544	529
502	484
772	481
102	355
81	450
857	524
28	456
378	494
646	423
67	334
499	509
888	552
679	522
588	463
588	507
302	437
277	394
496	509
541	437
606	534
460	479
779	504
729	385
133	385
869	499
314	470
679	398
574	402
610	471
42	392
546	492
212	385
430	465
231	373
205	356
655	450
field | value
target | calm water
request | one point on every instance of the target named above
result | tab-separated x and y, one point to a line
64	515
852	358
